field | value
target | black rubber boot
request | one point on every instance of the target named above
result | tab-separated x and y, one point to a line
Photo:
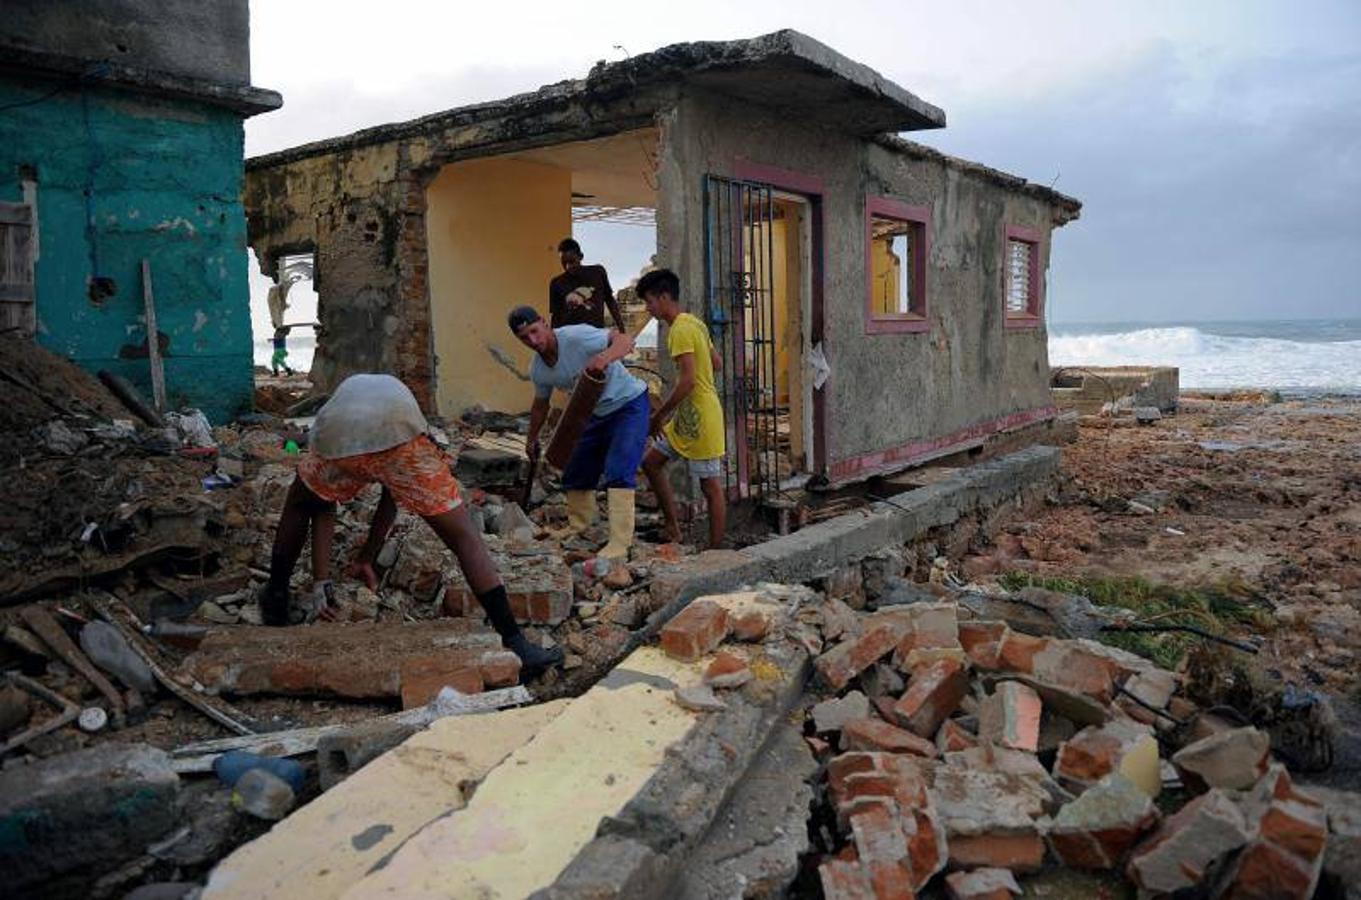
533	659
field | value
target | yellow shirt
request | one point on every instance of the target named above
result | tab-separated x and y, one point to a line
696	429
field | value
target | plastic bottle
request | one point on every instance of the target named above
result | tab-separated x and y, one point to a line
230	766
263	795
291	448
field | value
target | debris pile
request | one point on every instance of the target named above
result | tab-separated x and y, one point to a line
963	751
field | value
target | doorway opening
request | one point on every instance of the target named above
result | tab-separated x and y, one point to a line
284	321
492	227
759	268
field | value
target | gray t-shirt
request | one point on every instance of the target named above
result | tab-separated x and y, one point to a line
576	345
366	414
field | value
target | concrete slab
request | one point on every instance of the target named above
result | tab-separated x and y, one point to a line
753	847
326	846
532	813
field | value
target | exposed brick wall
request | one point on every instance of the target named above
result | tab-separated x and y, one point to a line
413	344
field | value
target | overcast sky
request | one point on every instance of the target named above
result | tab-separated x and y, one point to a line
1216	146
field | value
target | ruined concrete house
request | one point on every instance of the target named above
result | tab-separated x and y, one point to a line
121	141
877	303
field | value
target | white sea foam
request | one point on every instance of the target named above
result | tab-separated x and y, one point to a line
1211	360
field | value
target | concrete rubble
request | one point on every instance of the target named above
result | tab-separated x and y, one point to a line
960	746
866	727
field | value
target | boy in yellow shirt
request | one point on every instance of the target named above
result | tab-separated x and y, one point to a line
689	423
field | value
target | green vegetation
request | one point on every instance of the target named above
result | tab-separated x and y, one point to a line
1216	610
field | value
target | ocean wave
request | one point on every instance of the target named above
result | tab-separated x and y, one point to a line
1214	361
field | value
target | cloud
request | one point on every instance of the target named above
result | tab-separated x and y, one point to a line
1233	194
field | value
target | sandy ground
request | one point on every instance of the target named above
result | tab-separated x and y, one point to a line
1261	502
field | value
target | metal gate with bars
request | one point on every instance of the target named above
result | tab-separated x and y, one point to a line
739	279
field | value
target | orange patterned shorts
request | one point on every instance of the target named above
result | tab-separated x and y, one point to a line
417	474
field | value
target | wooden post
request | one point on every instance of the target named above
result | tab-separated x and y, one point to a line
153	341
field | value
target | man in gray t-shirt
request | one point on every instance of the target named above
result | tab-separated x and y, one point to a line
611	447
372	431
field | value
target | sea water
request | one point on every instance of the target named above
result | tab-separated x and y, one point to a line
1296	357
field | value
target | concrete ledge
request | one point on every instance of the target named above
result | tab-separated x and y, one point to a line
643	850
819	548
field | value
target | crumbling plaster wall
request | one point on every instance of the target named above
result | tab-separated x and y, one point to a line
885	390
360	201
355	212
119	178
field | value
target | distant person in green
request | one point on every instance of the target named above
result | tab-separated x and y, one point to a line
280	357
689	423
581	294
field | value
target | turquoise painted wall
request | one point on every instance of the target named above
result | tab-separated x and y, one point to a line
164	183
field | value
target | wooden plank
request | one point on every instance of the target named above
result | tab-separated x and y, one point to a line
153	340
199	756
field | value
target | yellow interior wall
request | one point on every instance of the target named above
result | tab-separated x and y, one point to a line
786	281
887	276
492	227
789	317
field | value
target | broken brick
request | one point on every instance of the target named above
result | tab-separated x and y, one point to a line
1118	746
953	736
1017	651
751	626
1154	687
982	642
982	884
424	677
1232	759
355	660
727	671
933	634
695	630
831	714
872	735
933	693
1180	852
1010	717
1265	871
882	632
1285	856
882	849
990	817
1076	667
1097	830
843	880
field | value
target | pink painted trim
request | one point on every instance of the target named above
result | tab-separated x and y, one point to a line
920	217
895	458
784	179
1034	317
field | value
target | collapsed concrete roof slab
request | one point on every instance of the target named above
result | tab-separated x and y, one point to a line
784	70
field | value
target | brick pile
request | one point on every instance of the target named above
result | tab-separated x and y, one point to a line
965	756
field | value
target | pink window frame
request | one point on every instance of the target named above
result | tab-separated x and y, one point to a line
1033	317
920	219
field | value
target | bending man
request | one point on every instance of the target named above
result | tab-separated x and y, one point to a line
372	431
612	445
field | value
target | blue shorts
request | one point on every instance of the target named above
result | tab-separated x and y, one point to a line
698	468
611	448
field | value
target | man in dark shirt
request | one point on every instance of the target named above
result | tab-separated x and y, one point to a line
580	294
